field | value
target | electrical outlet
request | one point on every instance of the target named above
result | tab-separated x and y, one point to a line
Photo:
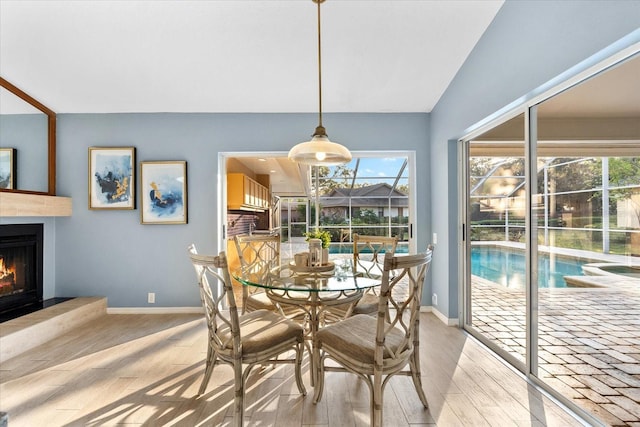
434	299
435	238
151	298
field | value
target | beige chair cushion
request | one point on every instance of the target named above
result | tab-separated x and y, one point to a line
259	301
261	330
355	337
368	304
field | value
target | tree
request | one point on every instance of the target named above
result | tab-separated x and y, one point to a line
625	172
567	174
341	177
403	188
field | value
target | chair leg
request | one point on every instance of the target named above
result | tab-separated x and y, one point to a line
210	364
376	401
414	366
298	368
319	383
238	407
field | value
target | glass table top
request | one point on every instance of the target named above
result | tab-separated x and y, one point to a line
343	277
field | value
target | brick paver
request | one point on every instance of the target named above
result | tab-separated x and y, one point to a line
588	343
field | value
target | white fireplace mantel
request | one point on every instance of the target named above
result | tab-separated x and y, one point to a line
20	204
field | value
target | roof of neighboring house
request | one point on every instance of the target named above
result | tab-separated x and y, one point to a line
375	195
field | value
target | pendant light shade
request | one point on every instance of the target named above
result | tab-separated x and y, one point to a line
320	151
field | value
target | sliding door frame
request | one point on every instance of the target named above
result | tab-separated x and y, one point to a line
464	255
527	105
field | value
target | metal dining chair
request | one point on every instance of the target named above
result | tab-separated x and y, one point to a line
376	348
259	337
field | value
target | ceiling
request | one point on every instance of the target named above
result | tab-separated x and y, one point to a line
287	179
237	56
259	56
612	93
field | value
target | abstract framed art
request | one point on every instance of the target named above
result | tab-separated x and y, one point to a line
112	177
164	192
8	168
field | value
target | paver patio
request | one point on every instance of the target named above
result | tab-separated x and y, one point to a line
588	345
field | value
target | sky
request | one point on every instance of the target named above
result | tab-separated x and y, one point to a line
370	168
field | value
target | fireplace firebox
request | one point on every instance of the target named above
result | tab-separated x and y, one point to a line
21	259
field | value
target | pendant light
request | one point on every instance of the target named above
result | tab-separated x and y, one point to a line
320	151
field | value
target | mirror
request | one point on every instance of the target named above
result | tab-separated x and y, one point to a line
27	143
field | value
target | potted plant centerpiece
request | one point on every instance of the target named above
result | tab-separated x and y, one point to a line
325	237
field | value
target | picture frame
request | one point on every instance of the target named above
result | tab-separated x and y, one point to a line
112	178
163	198
8	161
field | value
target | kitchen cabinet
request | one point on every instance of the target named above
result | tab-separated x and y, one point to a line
244	193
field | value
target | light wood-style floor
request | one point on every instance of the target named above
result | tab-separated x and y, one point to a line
146	369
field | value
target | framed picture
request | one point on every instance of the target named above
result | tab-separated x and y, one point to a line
8	168
112	177
164	192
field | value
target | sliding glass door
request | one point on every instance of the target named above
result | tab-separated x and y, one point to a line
588	298
552	259
496	230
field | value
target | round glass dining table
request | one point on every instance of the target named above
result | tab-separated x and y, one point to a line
318	293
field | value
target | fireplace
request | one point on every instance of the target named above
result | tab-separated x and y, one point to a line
21	251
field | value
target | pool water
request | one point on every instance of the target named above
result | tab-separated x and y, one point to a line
336	248
507	267
622	270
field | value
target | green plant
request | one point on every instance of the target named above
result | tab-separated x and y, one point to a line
323	235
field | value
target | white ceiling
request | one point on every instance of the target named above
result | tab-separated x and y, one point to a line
287	179
612	93
237	56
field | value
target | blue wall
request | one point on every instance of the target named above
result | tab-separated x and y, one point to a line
527	44
110	253
28	134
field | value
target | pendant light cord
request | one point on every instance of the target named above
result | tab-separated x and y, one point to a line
320	150
319	69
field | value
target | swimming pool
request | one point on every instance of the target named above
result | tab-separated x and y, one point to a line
608	269
507	267
347	248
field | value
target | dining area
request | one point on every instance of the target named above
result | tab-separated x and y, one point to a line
342	343
358	315
147	369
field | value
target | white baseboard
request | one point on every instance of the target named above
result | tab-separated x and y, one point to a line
444	319
196	310
154	310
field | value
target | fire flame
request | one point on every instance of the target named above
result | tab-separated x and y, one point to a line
5	272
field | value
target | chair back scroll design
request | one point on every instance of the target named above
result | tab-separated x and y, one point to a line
372	249
368	258
376	348
205	266
258	255
403	315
